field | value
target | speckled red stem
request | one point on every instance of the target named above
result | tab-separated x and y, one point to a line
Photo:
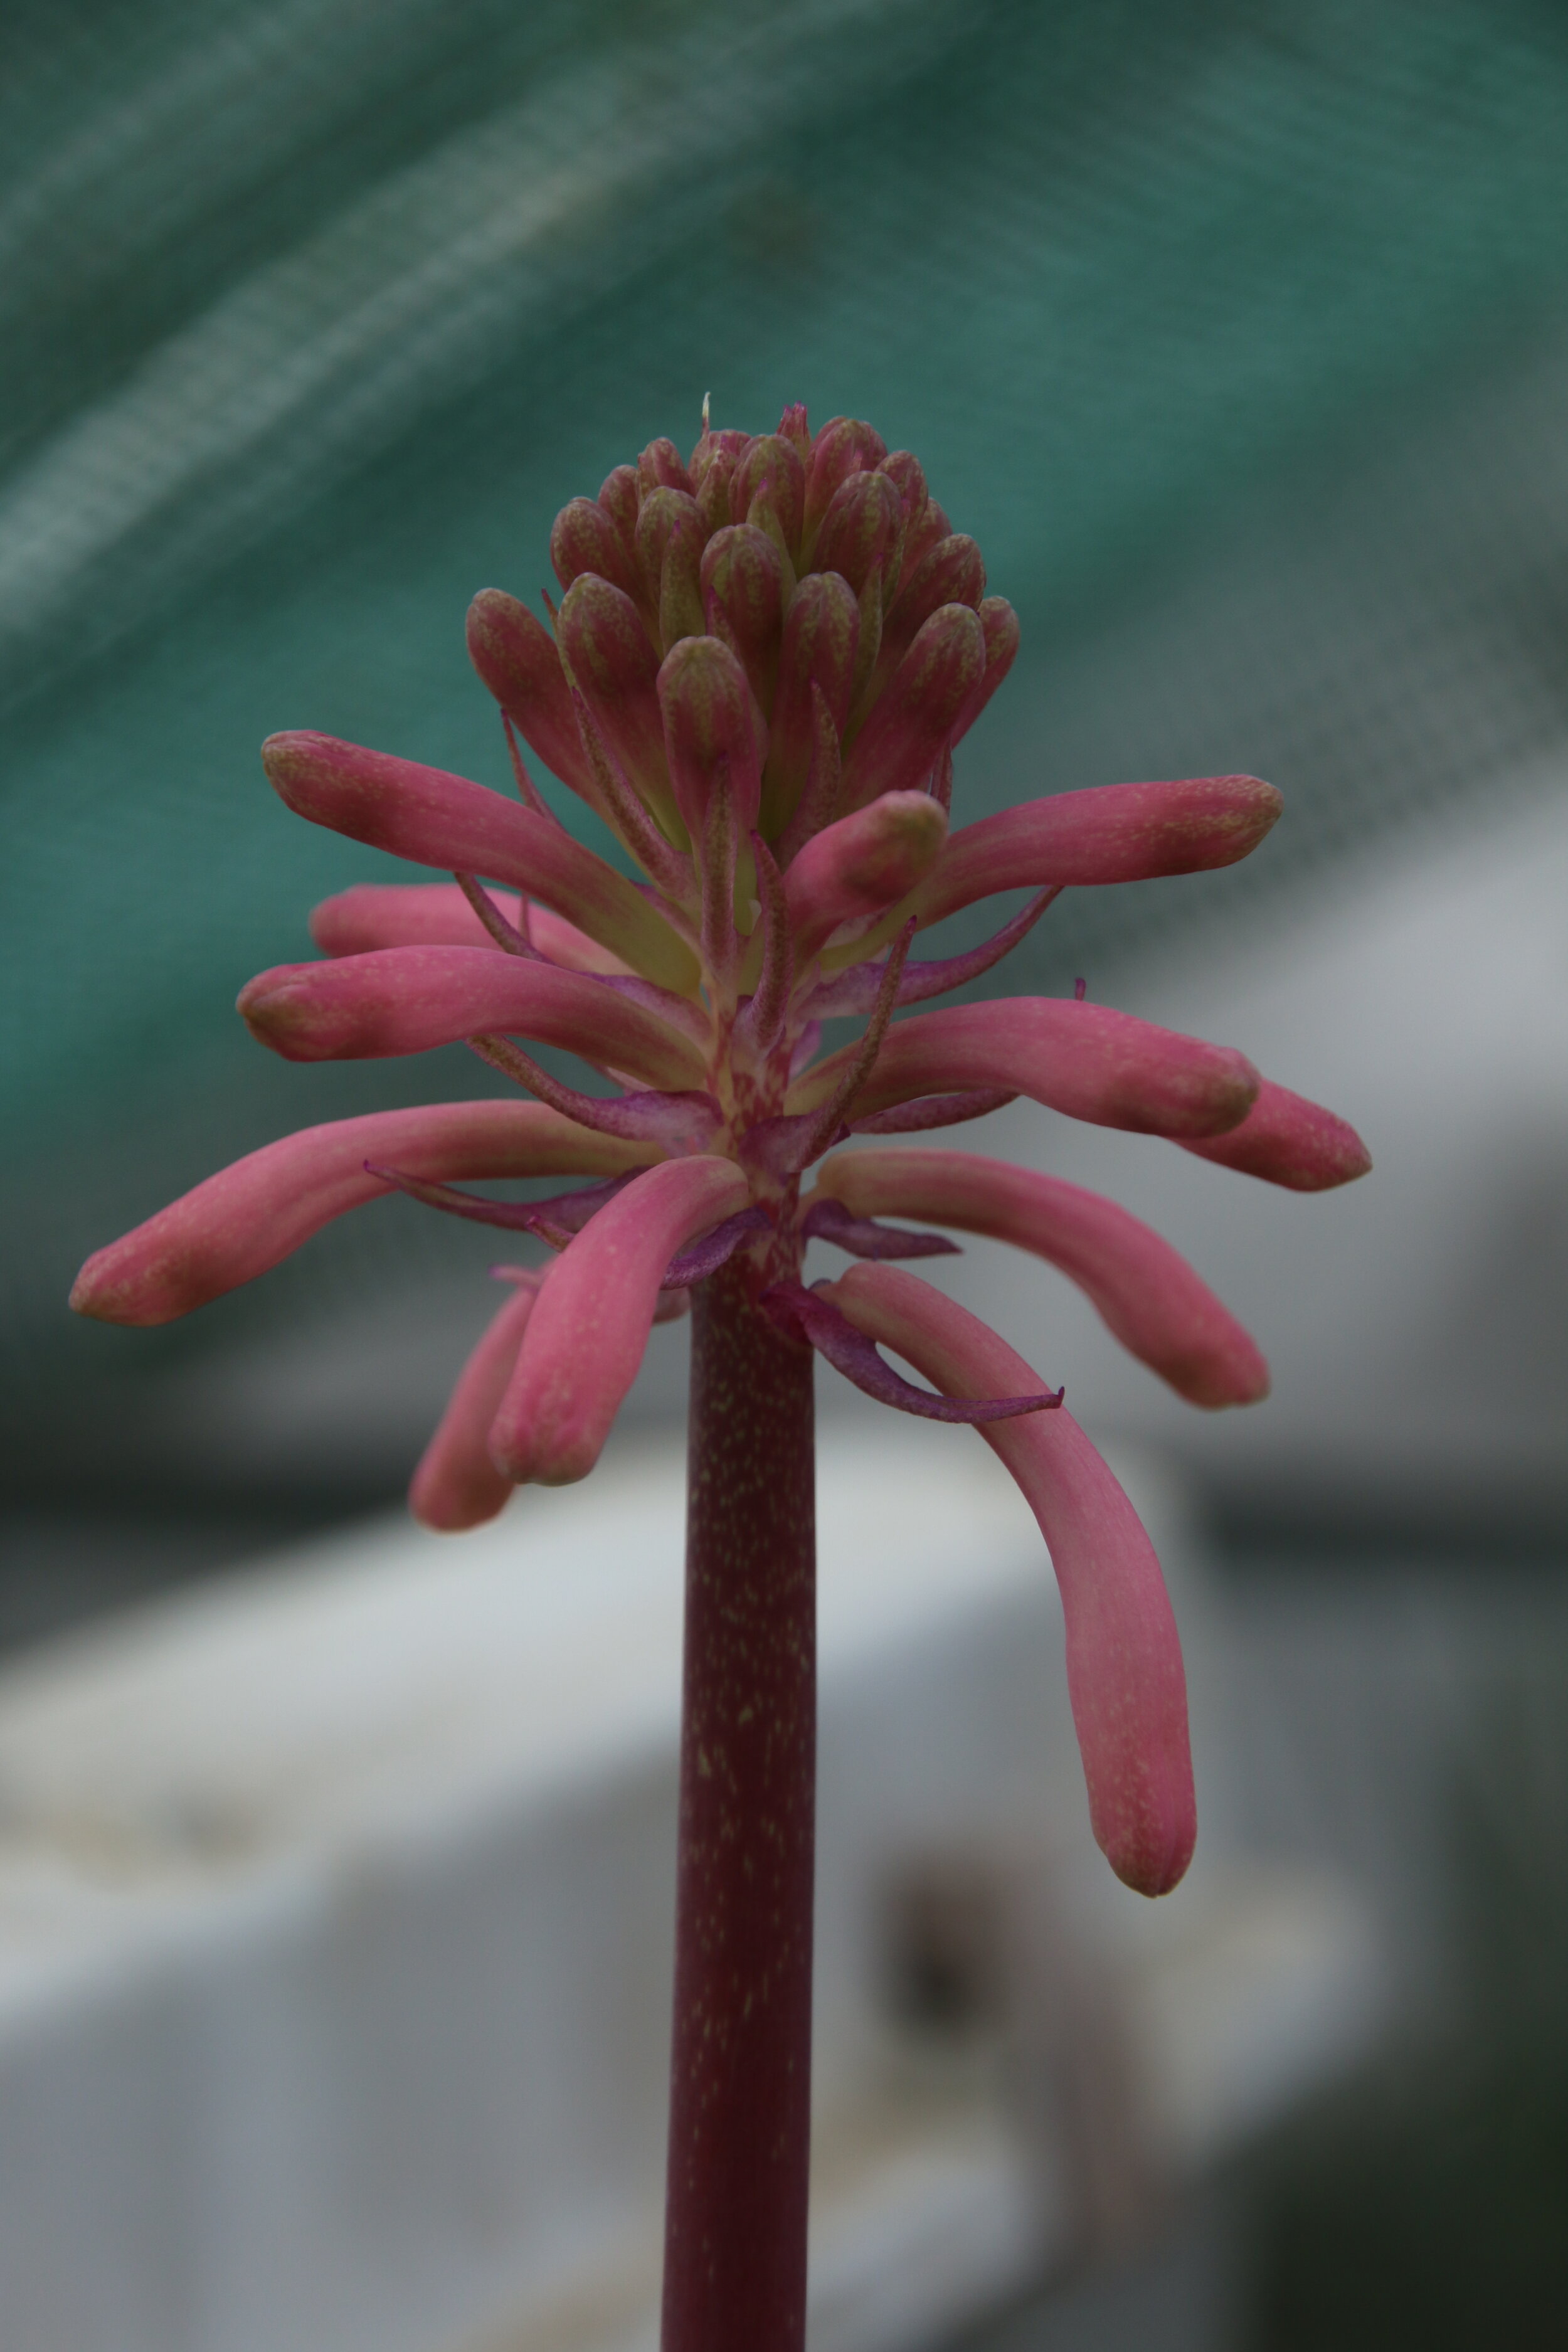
740	2128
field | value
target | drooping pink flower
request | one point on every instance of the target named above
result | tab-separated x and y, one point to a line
764	656
763	659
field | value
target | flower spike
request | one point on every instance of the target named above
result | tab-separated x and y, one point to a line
827	1220
762	664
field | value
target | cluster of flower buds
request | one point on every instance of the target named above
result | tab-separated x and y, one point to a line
762	662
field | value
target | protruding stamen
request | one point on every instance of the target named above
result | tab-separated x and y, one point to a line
682	1122
829	1221
505	935
518	659
528	791
935	1110
563	1216
806	1316
854	990
835	1109
711	726
664	864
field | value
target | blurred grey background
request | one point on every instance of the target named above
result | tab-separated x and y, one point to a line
1238	337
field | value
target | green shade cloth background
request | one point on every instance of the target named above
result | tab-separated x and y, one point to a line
1233	333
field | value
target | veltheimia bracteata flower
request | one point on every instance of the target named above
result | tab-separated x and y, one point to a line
762	663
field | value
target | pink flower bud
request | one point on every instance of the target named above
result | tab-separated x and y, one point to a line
713	464
1084	1060
921	537
844	447
584	539
711	732
405	999
435	819
1110	833
821	636
439	914
906	472
951	572
660	466
861	865
863	531
606	652
620	494
793	428
742	601
1000	623
911	722
517	658
672	534
769	485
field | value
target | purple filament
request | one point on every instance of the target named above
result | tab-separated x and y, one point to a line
830	1221
807	1315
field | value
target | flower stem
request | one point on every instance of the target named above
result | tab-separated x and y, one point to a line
740	2126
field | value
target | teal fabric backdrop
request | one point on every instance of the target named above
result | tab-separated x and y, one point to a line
1234	333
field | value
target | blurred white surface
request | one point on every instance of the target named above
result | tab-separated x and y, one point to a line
335	1924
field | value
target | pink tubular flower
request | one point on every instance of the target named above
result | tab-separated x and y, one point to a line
764	656
1124	1663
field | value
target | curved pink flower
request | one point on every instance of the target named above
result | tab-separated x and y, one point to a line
1112	833
764	659
405	999
1085	1060
595	1308
434	818
765	656
1146	1293
456	1485
250	1216
1124	1660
